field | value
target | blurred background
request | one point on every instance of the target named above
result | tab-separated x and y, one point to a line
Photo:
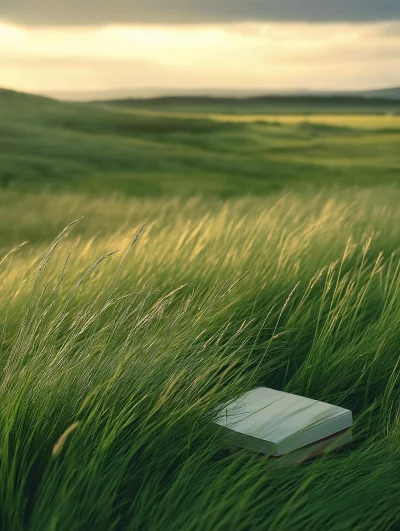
221	99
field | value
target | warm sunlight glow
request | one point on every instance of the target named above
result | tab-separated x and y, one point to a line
9	33
256	55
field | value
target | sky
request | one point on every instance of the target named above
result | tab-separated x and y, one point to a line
48	46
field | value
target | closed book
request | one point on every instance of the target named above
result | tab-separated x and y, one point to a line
276	423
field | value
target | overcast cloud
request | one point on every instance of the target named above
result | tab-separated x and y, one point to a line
100	12
255	55
64	45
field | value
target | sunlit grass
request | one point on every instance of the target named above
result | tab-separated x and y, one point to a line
355	121
358	121
111	364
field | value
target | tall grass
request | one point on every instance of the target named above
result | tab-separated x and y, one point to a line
113	364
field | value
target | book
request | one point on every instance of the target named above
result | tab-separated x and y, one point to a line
323	447
272	422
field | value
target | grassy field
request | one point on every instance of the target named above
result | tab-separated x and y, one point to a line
92	149
381	123
113	363
280	105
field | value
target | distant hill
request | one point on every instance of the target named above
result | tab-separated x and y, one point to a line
54	145
263	105
11	97
373	102
147	93
289	99
389	93
151	93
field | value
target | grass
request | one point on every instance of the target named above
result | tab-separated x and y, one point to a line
270	105
270	257
91	149
108	384
381	122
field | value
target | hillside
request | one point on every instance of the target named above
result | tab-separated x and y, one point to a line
308	104
152	92
389	93
102	149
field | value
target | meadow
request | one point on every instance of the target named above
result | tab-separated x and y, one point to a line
207	258
97	149
284	105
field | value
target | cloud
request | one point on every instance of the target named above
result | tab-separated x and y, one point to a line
32	72
266	56
82	63
103	12
390	29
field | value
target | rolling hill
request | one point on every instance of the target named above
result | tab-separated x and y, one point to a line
94	148
152	92
389	93
283	104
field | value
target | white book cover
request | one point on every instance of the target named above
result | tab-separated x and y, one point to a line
276	423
